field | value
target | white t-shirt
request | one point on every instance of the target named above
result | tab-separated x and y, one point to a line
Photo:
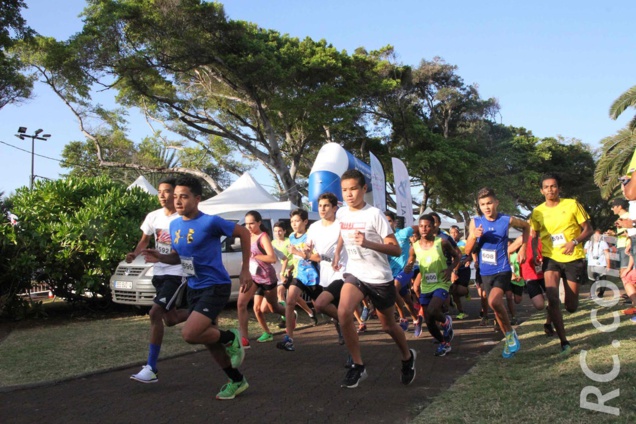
366	265
324	240
158	224
596	252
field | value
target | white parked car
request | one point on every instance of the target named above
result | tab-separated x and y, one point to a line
131	284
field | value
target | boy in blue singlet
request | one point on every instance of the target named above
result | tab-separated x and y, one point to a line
489	234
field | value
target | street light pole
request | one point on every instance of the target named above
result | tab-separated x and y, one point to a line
36	136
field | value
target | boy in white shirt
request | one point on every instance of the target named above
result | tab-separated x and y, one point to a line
368	239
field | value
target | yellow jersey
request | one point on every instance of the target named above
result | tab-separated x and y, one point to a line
559	225
632	166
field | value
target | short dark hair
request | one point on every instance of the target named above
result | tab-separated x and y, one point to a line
354	174
391	215
550	176
428	217
300	212
456	227
191	182
486	192
280	224
623	203
168	180
329	196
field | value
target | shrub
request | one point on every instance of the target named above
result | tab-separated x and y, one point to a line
71	235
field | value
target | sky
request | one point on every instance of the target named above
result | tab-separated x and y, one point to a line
554	67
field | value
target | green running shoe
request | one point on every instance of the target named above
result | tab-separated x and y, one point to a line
231	389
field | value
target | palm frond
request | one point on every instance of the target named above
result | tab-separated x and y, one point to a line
625	100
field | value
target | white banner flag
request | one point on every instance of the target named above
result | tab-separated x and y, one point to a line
378	183
403	198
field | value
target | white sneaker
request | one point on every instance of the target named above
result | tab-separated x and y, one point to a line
146	375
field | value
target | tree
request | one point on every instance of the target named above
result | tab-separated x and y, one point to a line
615	153
72	233
14	85
272	98
625	100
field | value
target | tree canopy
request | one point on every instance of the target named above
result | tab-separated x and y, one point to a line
15	86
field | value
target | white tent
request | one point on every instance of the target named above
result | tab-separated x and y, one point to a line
446	221
243	195
143	183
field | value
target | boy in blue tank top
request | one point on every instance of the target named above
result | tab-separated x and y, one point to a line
489	235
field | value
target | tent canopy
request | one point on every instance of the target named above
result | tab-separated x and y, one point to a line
143	183
446	221
243	195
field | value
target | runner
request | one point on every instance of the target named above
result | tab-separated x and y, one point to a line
535	285
402	270
166	278
305	275
368	239
196	244
489	232
563	225
433	280
461	274
620	207
281	247
322	238
517	283
598	259
265	279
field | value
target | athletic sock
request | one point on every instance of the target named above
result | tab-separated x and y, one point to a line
153	355
226	336
233	374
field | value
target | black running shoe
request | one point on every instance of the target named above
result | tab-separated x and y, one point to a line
408	369
354	376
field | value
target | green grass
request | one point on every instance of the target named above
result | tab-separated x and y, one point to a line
41	351
539	385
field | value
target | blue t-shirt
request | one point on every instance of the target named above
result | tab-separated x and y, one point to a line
493	244
399	262
198	243
305	271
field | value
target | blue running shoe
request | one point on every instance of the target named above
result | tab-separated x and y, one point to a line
506	351
417	331
404	324
286	344
512	341
365	314
443	349
448	329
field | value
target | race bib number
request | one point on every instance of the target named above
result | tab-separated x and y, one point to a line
489	257
164	248
354	251
187	264
253	267
558	239
431	277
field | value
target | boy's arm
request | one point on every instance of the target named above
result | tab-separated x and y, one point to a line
141	245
